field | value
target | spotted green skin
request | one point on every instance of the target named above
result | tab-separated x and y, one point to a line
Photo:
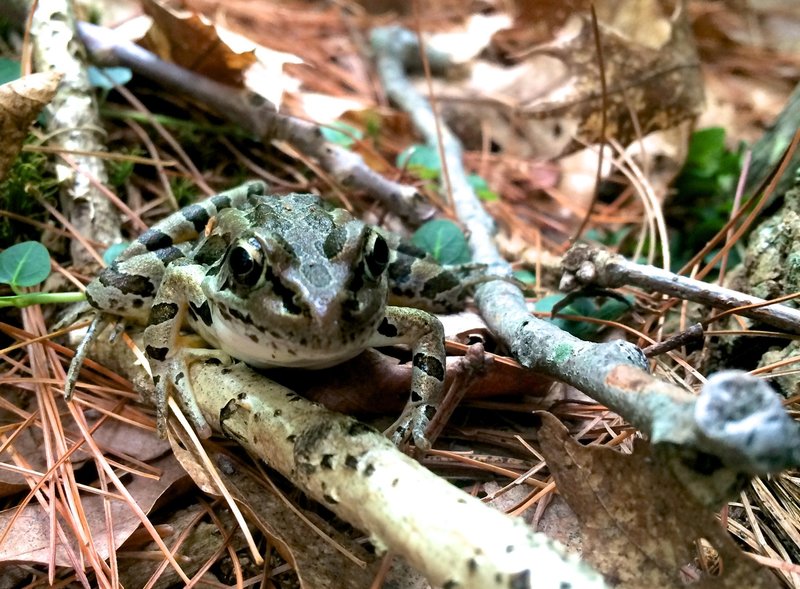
281	281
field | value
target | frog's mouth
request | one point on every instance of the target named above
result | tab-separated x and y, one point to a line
299	345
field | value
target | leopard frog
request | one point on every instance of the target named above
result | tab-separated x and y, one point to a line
281	281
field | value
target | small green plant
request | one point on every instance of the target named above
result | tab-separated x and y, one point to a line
444	240
711	169
184	189
29	174
106	78
704	192
423	161
610	310
24	265
9	70
120	170
114	250
342	134
527	280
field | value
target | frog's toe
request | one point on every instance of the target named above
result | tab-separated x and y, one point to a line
196	418
412	425
160	399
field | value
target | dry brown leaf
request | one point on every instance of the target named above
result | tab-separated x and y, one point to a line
316	562
29	538
189	40
639	523
200	541
21	101
547	101
374	383
537	21
114	437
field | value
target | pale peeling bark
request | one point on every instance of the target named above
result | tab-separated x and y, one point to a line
73	123
614	373
454	539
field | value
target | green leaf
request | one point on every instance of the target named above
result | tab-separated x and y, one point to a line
444	240
610	310
108	77
113	251
24	264
9	70
482	189
706	147
422	160
342	134
525	276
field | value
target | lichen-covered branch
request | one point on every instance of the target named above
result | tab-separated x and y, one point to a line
613	373
585	265
256	114
73	124
454	539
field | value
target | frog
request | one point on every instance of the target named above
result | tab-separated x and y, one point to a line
291	282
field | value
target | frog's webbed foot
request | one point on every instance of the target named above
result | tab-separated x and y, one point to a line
171	376
411	425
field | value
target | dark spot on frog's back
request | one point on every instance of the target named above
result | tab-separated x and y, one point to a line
400	270
221	201
197	216
334	242
162	312
152	239
387	329
411	250
127	283
156	353
430	365
440	283
210	250
168	255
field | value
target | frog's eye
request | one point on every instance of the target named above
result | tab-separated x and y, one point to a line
376	255
246	262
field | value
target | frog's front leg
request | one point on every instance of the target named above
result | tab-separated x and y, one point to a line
179	293
424	333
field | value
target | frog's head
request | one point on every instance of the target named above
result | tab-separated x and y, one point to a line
295	270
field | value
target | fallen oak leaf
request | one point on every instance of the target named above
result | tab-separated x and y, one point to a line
21	101
190	40
29	539
639	522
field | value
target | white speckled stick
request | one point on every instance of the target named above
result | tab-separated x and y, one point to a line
454	539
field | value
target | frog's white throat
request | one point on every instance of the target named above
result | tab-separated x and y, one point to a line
263	350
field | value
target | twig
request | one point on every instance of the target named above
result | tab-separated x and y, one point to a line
614	373
452	538
585	265
255	113
74	125
693	334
